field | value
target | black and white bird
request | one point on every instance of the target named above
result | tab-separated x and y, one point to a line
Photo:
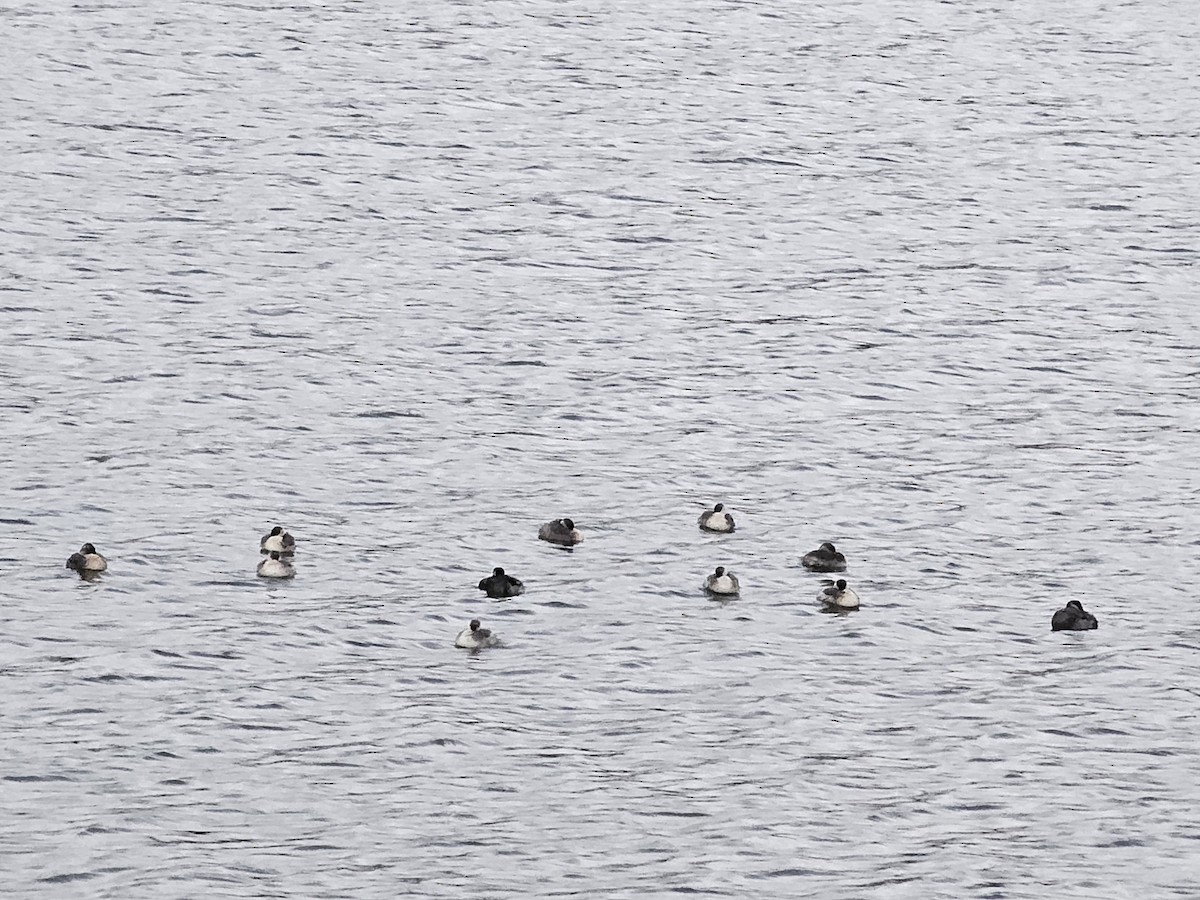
87	561
275	566
837	595
721	583
716	520
279	540
475	638
562	532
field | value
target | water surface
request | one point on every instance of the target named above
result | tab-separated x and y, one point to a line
411	280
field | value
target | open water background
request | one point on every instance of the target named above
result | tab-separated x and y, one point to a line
412	278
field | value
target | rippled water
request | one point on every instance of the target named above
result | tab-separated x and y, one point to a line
413	278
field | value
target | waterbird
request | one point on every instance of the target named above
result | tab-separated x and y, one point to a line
716	520
825	558
475	638
274	566
560	531
280	540
1073	617
722	583
836	595
498	585
87	560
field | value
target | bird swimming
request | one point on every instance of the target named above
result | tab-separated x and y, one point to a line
87	560
825	558
498	585
278	539
722	583
274	566
837	595
1073	617
716	520
475	638
560	531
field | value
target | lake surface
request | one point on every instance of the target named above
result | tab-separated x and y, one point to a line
412	279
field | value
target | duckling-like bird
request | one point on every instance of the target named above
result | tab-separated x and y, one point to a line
716	520
280	540
825	558
722	583
87	560
837	595
475	638
1073	617
274	566
560	531
499	585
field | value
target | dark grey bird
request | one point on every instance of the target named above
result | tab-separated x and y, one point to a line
498	585
825	558
1073	617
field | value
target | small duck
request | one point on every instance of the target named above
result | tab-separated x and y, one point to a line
498	585
825	558
278	539
275	566
722	583
837	595
475	638
1073	617
716	520
87	560
560	531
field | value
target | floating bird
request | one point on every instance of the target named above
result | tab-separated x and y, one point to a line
560	531
274	566
722	583
279	540
716	520
475	638
498	585
87	560
825	558
1073	617
837	595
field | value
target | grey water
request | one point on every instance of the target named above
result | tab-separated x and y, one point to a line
413	278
